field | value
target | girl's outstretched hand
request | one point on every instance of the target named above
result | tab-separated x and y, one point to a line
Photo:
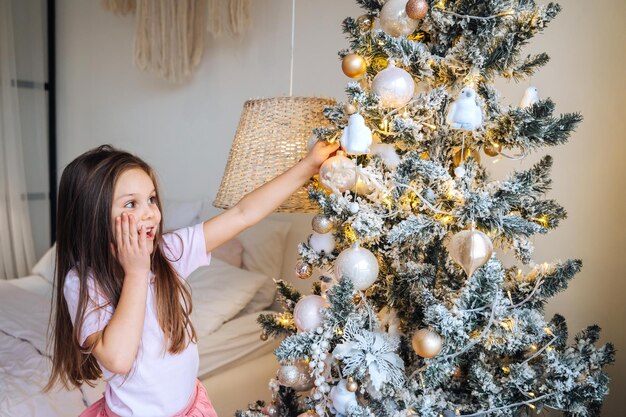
320	153
131	248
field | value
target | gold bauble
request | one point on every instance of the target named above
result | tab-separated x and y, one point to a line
349	109
416	9
303	270
466	154
492	149
427	344
365	23
351	385
425	155
321	223
471	249
353	65
263	336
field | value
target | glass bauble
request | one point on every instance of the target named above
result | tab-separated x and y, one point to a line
338	173
394	85
359	265
394	21
307	314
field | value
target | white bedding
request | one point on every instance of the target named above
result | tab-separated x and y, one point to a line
24	362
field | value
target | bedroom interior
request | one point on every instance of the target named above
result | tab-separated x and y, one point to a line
185	130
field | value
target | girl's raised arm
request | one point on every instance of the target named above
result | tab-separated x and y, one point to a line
258	204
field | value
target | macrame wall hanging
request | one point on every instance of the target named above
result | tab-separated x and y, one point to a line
170	34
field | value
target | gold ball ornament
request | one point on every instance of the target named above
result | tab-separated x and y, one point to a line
492	149
351	385
471	249
365	23
466	154
303	270
263	336
353	65
349	109
321	223
427	344
417	9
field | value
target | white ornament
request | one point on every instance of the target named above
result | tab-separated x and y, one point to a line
322	242
394	85
531	96
459	171
356	137
341	398
386	152
471	249
338	173
354	207
464	112
288	375
359	265
394	20
307	314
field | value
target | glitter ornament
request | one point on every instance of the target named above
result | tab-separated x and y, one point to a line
359	265
471	249
322	242
321	224
307	314
394	85
426	344
416	9
394	21
288	375
353	65
365	23
306	381
303	270
338	173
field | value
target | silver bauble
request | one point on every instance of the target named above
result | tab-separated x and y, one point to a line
307	313
338	173
322	242
394	85
303	269
321	223
426	343
359	265
394	21
272	411
288	375
471	249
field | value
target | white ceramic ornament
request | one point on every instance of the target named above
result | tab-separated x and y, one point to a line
394	85
531	96
471	249
357	264
464	113
356	137
338	173
394	21
307	313
322	242
386	152
341	398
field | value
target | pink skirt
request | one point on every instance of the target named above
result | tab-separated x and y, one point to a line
198	406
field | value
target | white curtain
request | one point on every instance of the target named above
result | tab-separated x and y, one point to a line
16	241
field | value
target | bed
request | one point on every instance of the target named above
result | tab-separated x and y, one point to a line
235	364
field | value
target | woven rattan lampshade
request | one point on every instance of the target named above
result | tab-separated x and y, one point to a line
272	136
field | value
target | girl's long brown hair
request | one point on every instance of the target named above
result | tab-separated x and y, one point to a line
84	236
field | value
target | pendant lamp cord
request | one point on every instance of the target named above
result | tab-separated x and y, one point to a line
293	44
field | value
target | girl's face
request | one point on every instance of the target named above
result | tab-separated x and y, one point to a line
135	194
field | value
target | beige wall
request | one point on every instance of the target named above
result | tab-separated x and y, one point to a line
185	131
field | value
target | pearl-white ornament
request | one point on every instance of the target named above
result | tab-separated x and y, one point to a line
464	112
338	173
354	207
395	86
341	398
359	265
307	314
288	375
394	21
386	152
426	344
356	138
531	96
471	249
459	171
322	242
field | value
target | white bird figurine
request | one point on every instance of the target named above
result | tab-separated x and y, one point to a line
356	137
531	96
464	112
342	398
387	152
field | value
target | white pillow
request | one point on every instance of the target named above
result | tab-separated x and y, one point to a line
179	213
220	291
45	266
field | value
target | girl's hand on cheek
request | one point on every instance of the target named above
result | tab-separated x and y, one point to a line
132	251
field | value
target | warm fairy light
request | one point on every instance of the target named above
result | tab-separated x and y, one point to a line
446	219
508	324
532	406
548	331
441	4
531	394
533	348
384	125
549	349
284	319
542	220
506	370
350	234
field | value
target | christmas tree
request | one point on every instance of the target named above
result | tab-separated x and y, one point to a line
414	314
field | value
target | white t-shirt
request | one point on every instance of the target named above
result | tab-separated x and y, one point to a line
159	383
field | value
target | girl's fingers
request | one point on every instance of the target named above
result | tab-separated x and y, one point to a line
118	231
142	237
125	230
132	227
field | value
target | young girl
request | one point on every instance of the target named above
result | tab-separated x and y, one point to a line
121	302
